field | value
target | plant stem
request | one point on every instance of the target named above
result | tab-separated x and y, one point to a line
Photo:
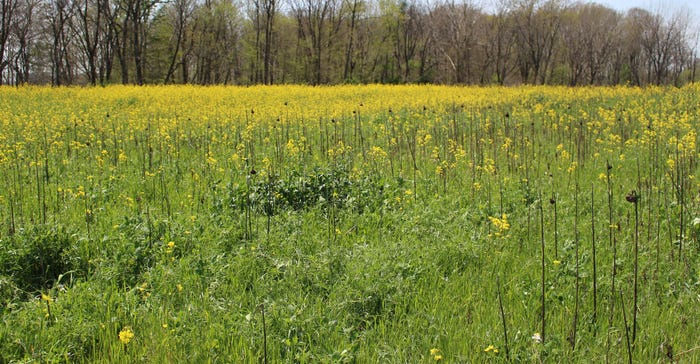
262	311
636	267
503	317
627	331
543	316
595	279
576	243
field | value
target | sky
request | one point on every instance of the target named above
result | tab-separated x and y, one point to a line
653	5
664	7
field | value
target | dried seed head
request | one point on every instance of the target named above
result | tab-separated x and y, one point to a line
632	197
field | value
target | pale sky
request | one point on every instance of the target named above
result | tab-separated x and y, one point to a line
664	6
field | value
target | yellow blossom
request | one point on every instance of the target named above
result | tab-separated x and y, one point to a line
671	163
126	335
501	224
436	354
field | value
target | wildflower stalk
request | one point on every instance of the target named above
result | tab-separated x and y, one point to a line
39	189
270	207
680	198
553	201
47	299
262	312
633	197
11	203
627	331
248	202
503	317
543	312
411	142
165	203
613	243
576	243
595	278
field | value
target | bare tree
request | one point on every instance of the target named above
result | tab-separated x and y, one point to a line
216	42
88	29
406	29
7	15
179	13
498	40
59	17
663	43
589	36
454	34
656	48
140	12
537	26
315	30
262	14
355	8
24	34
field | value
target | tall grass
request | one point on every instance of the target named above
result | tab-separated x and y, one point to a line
348	224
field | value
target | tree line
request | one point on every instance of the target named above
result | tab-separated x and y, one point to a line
66	42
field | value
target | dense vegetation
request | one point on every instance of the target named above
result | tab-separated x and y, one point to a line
349	224
64	42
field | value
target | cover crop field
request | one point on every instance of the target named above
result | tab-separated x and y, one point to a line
392	224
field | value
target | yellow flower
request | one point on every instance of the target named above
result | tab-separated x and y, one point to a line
556	262
436	354
170	246
501	224
492	349
46	297
126	335
671	163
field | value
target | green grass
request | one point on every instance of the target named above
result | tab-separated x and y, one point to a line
352	257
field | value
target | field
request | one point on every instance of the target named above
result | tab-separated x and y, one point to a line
367	224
